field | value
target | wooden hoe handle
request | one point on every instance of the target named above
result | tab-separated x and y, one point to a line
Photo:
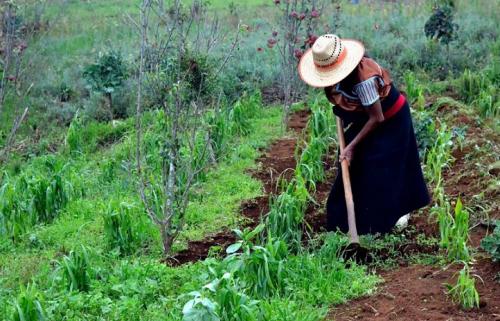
351	217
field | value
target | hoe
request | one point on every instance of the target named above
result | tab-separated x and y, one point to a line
354	250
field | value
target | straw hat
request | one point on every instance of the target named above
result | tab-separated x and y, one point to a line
330	60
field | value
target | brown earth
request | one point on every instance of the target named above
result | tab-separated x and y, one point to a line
417	293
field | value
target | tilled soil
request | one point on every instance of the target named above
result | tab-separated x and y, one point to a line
418	292
408	292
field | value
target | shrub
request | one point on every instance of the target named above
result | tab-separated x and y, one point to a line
106	75
491	243
440	25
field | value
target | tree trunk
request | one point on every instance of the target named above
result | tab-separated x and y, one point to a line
167	238
109	102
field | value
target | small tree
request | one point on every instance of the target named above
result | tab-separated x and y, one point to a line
440	25
176	33
106	75
295	33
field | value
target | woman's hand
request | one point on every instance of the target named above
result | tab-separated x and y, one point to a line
347	154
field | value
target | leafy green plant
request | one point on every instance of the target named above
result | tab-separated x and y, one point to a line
219	128
27	306
438	157
414	91
284	220
122	227
488	102
76	270
454	230
321	123
200	308
457	249
14	216
491	243
464	291
106	75
310	163
425	131
260	267
50	194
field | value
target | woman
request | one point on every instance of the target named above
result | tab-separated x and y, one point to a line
386	177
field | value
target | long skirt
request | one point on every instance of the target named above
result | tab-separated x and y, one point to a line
386	177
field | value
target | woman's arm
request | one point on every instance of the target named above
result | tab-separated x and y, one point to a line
376	117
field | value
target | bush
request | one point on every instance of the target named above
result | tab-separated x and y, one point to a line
491	243
440	25
106	75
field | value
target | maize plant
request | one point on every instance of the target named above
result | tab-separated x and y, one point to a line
464	291
458	249
76	270
119	228
414	91
74	139
471	84
439	156
488	102
310	164
454	230
260	267
239	118
14	216
27	306
285	218
321	123
218	132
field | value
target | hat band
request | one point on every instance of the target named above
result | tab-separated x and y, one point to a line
337	61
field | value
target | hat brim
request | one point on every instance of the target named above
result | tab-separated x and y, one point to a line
321	78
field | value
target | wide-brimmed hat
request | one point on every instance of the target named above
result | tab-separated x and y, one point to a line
330	60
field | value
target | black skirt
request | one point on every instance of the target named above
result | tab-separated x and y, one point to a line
386	176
